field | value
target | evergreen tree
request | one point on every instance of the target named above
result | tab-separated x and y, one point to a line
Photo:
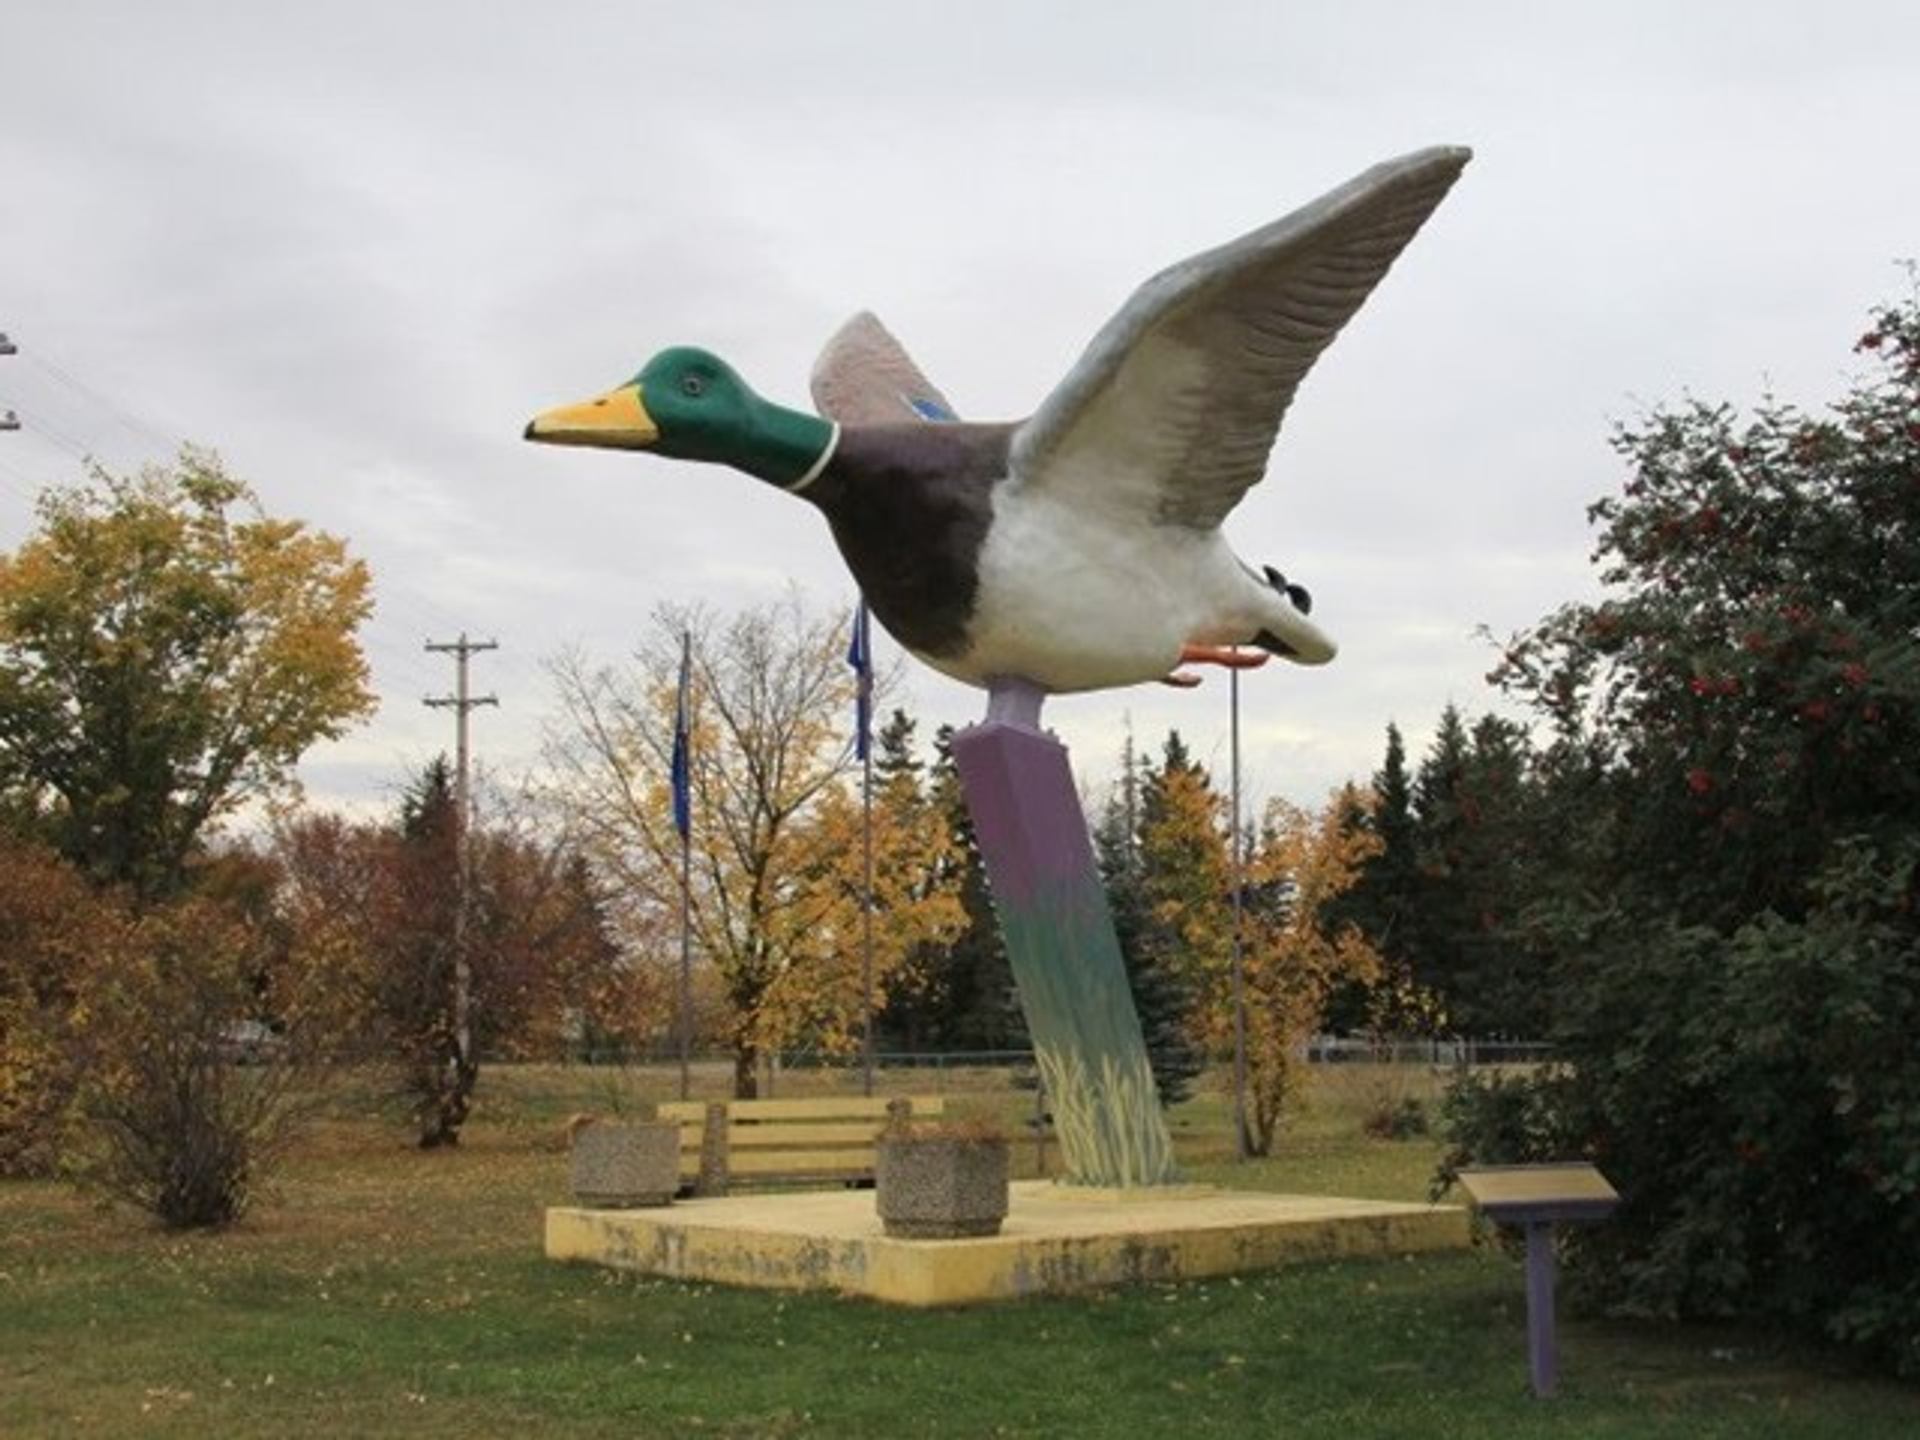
1157	995
958	994
894	762
611	1000
1385	903
1441	915
915	996
418	982
1496	991
1481	830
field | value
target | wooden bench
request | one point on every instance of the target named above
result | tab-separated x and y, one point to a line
780	1142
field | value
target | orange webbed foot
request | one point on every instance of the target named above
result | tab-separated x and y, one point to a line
1230	656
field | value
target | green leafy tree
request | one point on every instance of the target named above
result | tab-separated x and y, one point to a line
168	652
1731	920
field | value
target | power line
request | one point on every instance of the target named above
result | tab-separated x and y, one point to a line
132	424
36	356
60	438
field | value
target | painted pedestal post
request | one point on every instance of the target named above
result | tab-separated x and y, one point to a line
1060	940
1537	1197
1543	1350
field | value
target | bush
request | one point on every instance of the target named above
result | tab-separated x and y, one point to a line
1404	1118
1755	1100
1725	904
50	923
172	1122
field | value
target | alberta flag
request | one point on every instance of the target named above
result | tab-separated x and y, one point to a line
682	789
860	657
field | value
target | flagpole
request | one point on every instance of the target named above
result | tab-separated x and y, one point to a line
866	945
685	765
1239	964
866	828
686	965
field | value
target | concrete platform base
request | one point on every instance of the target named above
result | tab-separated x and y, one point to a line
1057	1239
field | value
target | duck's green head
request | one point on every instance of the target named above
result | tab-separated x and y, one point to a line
691	405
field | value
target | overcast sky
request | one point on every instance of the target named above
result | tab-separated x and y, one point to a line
355	246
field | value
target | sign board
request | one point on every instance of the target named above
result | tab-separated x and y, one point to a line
1523	1194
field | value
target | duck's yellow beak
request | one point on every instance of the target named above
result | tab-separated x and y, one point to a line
617	420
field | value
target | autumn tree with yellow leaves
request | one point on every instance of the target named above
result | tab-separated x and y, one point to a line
819	999
168	651
1294	955
776	879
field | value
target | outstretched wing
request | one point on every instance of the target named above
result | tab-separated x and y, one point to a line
1173	408
865	377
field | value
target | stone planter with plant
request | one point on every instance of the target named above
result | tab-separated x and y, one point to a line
941	1179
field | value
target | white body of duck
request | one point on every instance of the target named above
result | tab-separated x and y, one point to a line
1131	599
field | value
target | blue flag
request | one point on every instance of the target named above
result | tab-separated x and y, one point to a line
682	788
860	657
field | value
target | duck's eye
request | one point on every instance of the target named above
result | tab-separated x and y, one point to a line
692	385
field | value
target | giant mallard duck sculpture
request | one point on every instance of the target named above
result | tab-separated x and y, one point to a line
1081	548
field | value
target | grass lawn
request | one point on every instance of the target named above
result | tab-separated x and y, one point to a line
385	1291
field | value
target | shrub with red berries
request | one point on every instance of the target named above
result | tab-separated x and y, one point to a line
1736	976
1760	627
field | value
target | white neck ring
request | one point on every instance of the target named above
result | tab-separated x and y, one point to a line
820	464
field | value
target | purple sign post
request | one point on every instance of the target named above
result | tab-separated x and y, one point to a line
1538	1197
1061	944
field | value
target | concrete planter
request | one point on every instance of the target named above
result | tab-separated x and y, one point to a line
940	1187
618	1165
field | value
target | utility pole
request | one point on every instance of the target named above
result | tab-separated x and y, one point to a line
461	702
